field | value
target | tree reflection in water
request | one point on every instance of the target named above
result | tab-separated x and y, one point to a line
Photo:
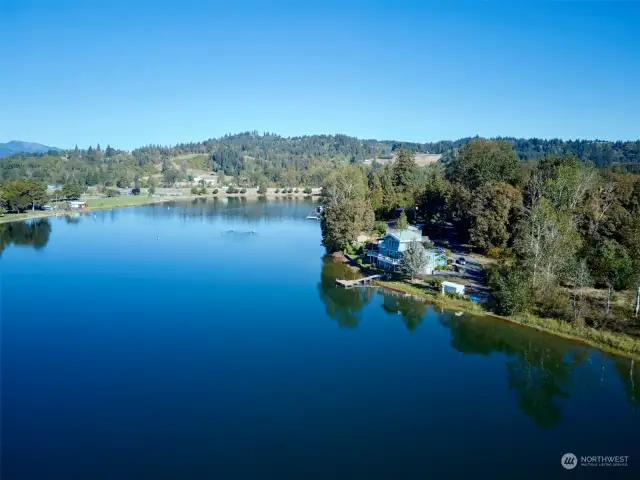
342	304
539	367
34	233
411	310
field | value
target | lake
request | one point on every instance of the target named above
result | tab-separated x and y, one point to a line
207	339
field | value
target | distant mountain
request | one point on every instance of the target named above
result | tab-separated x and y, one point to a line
16	146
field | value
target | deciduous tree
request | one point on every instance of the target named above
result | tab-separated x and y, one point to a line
414	259
482	161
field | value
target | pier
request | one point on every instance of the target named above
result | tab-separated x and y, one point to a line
357	282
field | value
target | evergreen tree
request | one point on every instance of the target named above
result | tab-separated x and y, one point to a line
404	178
402	222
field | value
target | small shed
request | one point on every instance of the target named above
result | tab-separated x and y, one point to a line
77	204
451	287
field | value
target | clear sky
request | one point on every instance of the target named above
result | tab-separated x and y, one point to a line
129	73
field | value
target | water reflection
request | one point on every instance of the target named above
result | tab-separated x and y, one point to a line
35	233
247	209
342	304
539	368
410	309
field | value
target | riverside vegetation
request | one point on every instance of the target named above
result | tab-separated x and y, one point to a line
562	219
565	234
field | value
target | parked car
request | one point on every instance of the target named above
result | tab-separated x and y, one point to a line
461	261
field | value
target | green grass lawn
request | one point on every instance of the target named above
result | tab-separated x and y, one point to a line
113	202
11	217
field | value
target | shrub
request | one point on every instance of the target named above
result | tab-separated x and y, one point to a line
215	191
151	190
203	191
307	190
500	253
445	243
447	252
290	190
111	192
296	190
434	282
3	212
232	190
244	190
194	190
455	295
262	190
277	190
380	227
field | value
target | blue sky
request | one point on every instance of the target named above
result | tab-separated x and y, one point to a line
129	73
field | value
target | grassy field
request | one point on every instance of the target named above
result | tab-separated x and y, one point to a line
114	202
13	217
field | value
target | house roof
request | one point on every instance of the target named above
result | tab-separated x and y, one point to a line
452	284
410	234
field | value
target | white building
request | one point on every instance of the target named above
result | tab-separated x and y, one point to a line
451	287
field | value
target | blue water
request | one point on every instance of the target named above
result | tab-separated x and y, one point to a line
208	340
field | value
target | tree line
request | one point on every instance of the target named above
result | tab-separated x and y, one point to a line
559	227
254	158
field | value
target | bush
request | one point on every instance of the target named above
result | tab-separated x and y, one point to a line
307	190
194	190
512	290
3	212
455	295
244	190
215	191
500	253
380	227
277	190
262	190
111	192
434	282
290	190
232	190
447	252
203	191
151	190
296	190
445	243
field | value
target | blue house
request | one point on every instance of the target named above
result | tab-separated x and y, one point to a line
392	245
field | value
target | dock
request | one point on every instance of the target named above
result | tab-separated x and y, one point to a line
357	282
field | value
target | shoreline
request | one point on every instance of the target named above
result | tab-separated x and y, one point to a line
20	217
537	323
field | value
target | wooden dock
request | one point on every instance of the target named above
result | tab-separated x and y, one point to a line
357	282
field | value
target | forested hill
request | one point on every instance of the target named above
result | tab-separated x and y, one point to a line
255	158
601	153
